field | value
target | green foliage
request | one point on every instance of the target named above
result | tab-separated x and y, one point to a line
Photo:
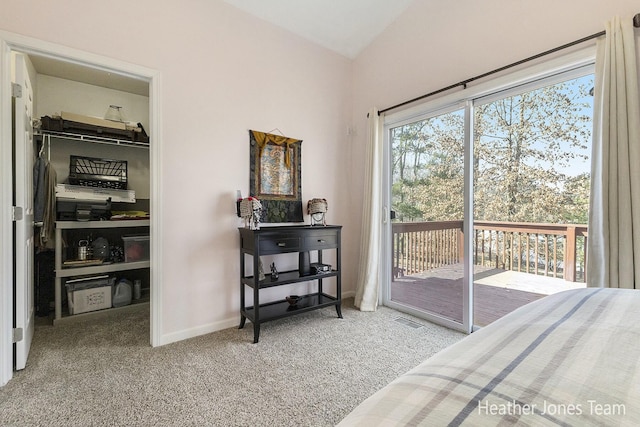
531	155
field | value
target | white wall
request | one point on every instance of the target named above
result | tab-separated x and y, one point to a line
434	44
223	72
57	95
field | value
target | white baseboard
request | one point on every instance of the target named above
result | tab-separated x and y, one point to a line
214	327
199	330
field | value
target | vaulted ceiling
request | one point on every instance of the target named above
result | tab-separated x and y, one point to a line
344	26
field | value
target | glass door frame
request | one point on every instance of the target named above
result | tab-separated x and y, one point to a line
467	294
466	99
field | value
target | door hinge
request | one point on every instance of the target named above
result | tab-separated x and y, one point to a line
16	214
16	90
18	334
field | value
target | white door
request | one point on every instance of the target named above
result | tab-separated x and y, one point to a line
24	243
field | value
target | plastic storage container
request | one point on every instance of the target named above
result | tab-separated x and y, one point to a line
136	248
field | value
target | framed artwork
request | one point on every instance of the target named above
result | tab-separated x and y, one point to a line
276	176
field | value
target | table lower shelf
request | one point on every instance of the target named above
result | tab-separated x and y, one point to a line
279	309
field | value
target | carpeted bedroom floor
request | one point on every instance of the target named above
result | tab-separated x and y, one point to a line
307	370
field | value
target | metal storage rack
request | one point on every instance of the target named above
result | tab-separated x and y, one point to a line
48	134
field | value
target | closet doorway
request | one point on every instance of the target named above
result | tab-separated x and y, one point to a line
75	69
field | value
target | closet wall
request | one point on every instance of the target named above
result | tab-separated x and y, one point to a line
55	95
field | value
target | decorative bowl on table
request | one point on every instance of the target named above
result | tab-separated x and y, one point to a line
293	299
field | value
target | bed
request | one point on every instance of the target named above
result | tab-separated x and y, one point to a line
569	359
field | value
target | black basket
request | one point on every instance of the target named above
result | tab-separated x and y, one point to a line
95	172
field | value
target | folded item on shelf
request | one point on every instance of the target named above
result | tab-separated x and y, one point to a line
89	120
81	192
129	215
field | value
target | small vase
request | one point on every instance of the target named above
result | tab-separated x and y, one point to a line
304	264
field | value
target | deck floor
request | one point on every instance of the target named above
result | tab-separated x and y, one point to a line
496	292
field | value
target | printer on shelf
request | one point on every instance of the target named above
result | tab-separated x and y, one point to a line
82	210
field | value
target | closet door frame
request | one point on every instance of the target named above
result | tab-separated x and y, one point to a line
10	42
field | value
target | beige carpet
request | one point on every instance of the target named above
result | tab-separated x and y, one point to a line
307	370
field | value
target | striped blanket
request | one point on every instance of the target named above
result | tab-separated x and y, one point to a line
569	359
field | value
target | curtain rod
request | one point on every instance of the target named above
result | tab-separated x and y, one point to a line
636	23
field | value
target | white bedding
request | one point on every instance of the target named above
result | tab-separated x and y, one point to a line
569	359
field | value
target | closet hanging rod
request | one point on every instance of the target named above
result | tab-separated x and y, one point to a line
463	83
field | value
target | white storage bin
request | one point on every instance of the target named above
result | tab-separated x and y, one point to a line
89	294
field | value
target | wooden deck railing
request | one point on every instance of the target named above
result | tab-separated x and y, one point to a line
555	250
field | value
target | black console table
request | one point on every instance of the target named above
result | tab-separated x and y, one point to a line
279	240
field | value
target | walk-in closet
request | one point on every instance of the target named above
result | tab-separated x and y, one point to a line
90	188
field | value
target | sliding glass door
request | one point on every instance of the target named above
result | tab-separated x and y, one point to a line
489	200
427	198
532	148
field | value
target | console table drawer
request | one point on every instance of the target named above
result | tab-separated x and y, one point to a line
320	241
277	245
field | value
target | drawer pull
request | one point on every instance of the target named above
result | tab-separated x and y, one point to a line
281	244
321	240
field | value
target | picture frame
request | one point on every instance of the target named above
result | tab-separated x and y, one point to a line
275	176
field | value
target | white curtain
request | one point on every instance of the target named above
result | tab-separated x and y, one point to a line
368	285
614	219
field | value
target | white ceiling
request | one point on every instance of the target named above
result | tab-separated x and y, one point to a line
344	26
